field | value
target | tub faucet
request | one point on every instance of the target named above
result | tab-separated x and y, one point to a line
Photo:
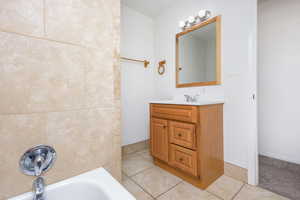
38	165
35	162
38	189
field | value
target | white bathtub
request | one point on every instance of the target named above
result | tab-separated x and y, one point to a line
94	185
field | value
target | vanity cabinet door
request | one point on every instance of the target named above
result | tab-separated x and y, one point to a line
183	159
159	139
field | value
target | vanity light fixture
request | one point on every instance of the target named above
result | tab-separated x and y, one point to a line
201	16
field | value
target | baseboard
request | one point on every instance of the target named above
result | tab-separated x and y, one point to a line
281	164
132	148
236	172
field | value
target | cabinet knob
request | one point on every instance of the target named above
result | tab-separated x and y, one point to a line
180	159
179	134
164	126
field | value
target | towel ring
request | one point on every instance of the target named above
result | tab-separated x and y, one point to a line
161	67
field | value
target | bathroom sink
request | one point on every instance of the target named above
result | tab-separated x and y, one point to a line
94	185
182	102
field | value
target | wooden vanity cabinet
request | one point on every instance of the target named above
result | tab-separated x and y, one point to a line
187	141
159	134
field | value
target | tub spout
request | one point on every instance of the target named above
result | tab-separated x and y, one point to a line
39	165
38	189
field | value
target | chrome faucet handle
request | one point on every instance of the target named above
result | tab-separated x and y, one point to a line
38	188
187	98
37	160
39	163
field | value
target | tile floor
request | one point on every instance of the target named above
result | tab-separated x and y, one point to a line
147	182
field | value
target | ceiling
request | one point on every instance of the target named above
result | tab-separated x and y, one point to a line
151	8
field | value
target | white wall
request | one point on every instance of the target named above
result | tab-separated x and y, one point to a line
279	69
238	28
137	41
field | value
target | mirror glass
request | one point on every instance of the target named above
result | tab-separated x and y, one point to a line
197	56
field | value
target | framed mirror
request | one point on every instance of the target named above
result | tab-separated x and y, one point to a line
198	54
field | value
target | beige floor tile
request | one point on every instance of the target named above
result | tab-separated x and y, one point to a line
135	190
134	164
133	148
156	181
236	172
124	177
255	193
225	187
146	154
186	191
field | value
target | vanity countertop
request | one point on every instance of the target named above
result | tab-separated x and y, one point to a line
198	103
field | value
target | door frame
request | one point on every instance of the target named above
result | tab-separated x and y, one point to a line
253	169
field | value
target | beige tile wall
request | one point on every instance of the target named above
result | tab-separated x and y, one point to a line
59	85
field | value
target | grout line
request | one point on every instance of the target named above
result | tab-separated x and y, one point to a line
42	38
138	151
141	171
98	49
238	192
235	178
124	173
213	194
44	17
131	178
181	182
60	111
141	187
131	154
85	83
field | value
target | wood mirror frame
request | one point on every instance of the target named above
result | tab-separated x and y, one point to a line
216	20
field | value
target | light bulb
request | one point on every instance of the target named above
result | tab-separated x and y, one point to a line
181	24
191	19
202	13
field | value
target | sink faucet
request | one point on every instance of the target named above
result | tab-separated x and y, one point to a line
38	189
191	99
187	98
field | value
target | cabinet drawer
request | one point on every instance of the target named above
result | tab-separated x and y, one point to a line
183	159
176	112
183	134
